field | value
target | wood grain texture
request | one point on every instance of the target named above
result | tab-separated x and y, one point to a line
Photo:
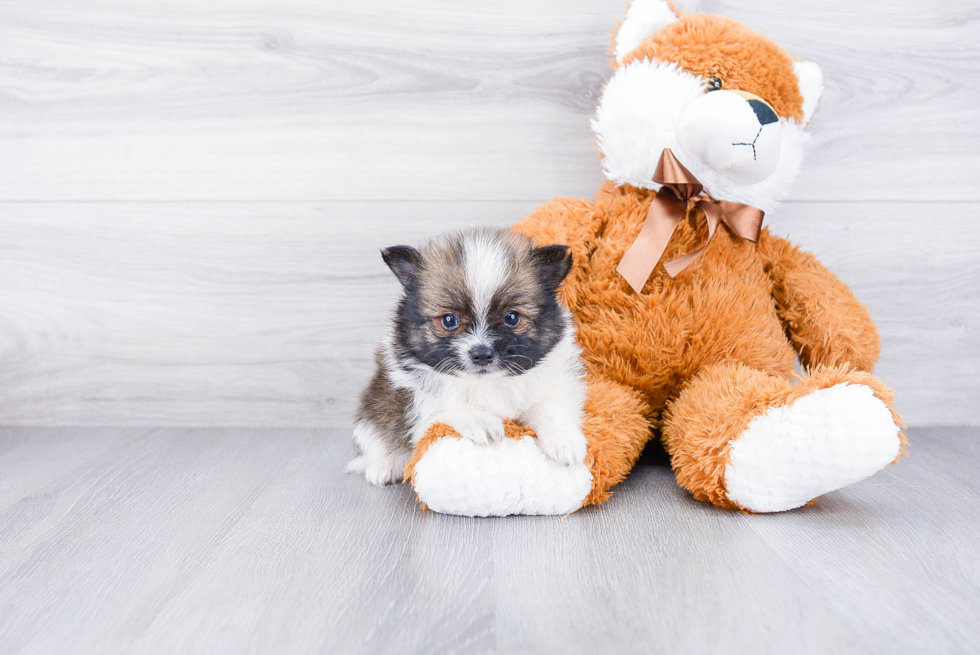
192	193
207	314
268	314
291	100
254	541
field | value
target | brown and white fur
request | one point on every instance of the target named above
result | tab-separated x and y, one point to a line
478	337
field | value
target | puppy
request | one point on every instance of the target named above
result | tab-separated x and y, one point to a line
478	336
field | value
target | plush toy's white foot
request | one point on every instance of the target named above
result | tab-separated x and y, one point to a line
457	476
824	441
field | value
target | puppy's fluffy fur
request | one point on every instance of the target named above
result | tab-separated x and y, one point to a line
478	336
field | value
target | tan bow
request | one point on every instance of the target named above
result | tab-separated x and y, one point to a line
680	191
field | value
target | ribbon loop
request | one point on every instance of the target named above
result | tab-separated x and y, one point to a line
680	191
672	174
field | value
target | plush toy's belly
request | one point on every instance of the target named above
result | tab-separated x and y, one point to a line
718	310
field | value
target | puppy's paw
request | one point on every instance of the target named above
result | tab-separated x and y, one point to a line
378	471
481	428
563	442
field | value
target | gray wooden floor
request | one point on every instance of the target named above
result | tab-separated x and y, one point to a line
253	540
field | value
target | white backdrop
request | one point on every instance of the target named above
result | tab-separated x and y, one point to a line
192	194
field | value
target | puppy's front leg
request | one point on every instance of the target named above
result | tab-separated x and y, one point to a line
478	426
559	431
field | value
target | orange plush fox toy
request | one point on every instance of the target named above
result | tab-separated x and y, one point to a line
690	314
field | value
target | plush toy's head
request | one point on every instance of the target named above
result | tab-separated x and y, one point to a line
728	102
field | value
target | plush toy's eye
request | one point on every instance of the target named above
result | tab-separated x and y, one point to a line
512	319
449	321
715	83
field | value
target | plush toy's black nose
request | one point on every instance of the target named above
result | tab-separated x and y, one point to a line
763	112
481	355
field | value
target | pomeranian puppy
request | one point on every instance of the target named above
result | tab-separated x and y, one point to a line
478	337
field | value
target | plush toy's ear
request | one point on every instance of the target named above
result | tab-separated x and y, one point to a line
404	262
643	18
811	86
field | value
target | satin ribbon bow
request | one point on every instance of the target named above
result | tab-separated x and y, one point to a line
680	192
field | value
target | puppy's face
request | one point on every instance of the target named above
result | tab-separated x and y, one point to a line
478	303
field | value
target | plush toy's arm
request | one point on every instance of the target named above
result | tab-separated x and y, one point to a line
824	321
567	221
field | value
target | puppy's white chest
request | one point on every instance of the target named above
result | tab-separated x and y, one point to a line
500	397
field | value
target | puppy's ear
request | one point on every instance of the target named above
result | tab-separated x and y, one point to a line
553	264
404	261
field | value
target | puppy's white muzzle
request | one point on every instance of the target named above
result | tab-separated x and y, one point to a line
733	132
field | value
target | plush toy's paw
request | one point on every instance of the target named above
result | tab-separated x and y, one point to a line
562	440
379	470
513	476
826	440
482	428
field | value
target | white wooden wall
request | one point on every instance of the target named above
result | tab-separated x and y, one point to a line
193	192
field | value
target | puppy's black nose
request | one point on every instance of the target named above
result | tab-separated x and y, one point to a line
481	355
763	112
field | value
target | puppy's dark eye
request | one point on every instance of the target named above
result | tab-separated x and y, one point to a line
450	321
715	83
512	319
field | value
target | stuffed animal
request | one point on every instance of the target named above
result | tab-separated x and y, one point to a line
691	315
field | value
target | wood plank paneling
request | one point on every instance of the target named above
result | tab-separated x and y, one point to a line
200	314
255	541
267	313
291	100
191	193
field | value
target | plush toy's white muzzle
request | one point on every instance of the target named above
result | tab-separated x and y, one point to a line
734	133
738	149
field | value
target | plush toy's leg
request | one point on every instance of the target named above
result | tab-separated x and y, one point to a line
744	439
456	476
617	430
